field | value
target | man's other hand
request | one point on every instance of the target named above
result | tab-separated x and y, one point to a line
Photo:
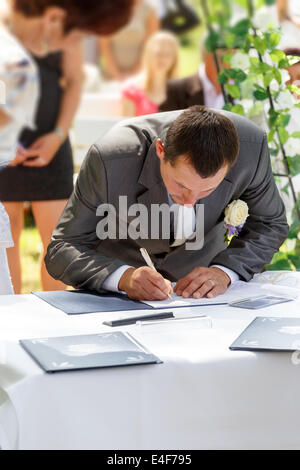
203	282
145	284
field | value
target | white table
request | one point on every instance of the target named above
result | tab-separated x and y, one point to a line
203	396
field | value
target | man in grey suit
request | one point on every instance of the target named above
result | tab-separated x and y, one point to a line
196	158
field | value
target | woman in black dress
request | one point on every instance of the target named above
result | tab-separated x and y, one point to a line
42	172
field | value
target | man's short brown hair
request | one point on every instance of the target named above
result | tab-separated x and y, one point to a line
208	140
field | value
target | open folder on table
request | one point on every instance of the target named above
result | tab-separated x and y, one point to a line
81	302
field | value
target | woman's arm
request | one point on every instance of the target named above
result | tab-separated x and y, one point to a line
284	14
128	108
44	149
282	7
153	23
111	65
152	26
4	118
73	78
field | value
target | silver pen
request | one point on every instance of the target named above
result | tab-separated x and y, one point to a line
149	262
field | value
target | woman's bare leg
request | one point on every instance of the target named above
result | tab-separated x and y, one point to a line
46	215
15	212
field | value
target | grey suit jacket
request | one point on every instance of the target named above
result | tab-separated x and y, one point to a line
124	162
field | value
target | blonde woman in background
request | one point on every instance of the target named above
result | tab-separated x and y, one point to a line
144	93
122	53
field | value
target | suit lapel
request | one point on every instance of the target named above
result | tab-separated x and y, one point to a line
155	193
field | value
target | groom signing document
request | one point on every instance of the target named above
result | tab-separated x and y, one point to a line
182	185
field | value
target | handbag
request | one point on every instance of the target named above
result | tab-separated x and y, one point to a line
179	17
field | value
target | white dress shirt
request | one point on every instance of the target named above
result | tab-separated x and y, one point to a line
212	99
184	228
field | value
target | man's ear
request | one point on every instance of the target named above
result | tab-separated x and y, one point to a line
160	149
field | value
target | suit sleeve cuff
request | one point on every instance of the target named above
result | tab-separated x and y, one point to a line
112	281
233	275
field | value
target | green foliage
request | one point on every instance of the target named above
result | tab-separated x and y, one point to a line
255	73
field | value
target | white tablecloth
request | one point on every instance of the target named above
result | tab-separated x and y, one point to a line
203	396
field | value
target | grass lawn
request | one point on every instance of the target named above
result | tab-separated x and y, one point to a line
31	246
31	250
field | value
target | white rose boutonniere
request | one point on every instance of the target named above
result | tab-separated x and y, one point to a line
236	214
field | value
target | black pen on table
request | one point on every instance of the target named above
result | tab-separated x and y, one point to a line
149	262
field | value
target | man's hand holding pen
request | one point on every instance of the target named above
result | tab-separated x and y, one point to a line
145	284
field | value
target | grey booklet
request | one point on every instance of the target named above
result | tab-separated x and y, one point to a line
69	353
270	334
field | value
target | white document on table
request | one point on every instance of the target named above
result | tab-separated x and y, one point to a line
238	291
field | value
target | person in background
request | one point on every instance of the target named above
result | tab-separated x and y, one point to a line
42	172
122	53
294	70
144	93
202	88
293	125
19	93
289	20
